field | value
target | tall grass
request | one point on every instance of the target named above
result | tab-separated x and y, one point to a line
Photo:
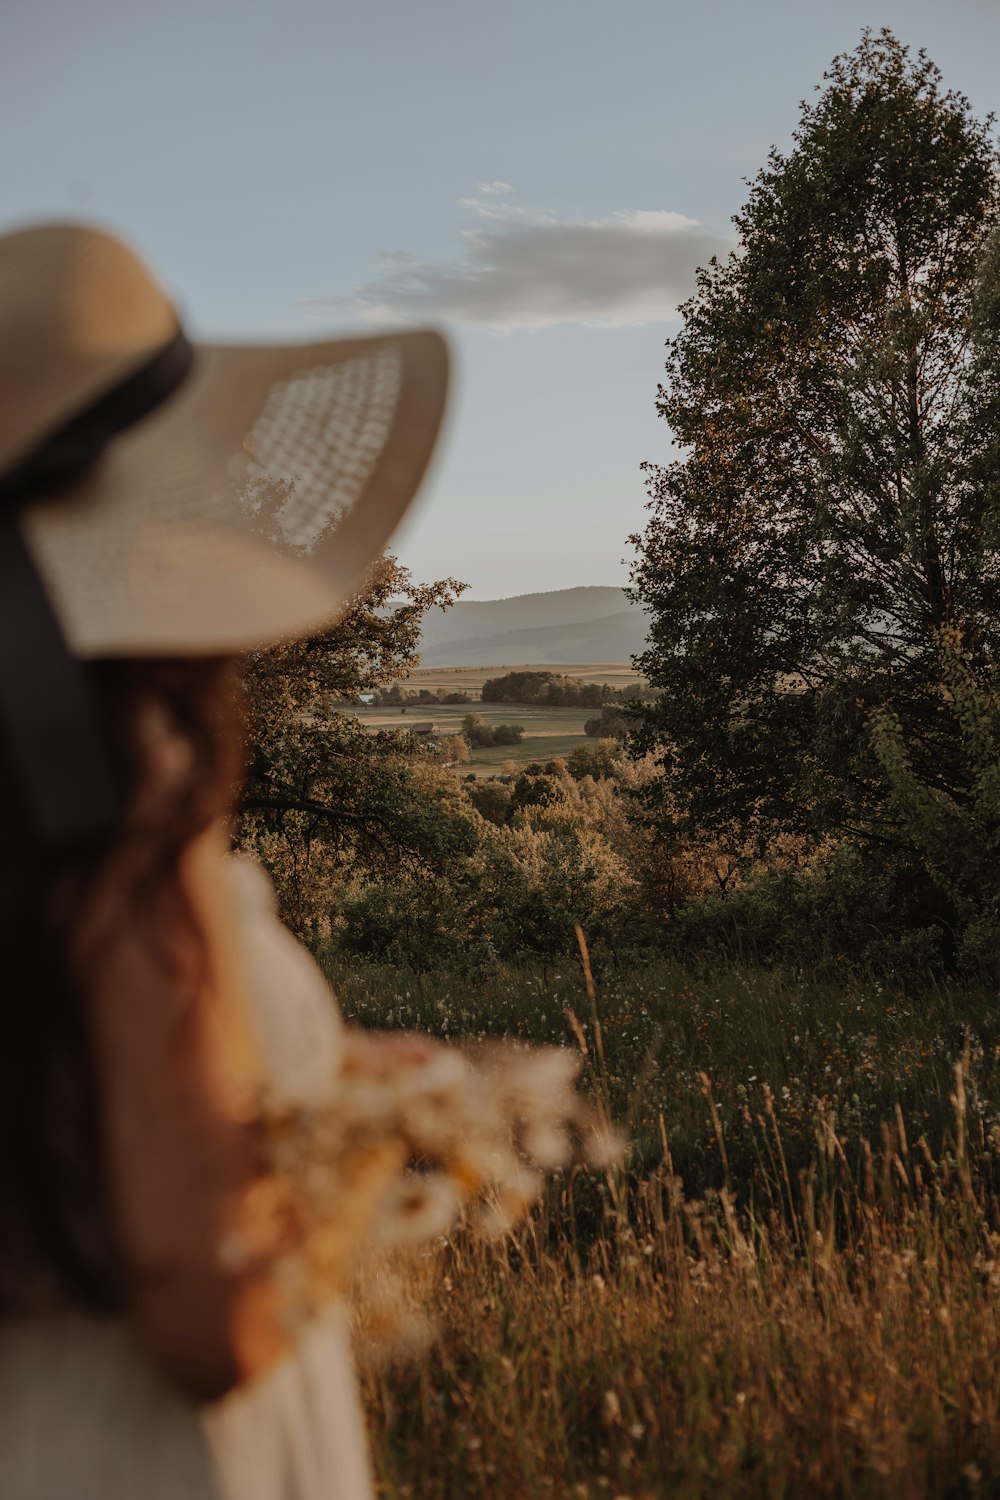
792	1288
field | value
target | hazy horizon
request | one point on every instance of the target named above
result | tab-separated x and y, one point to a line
568	588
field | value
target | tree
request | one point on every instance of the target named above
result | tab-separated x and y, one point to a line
508	734
542	861
610	723
514	687
835	389
601	758
482	735
956	829
323	797
551	689
477	731
453	750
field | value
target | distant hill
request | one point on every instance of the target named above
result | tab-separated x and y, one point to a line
564	626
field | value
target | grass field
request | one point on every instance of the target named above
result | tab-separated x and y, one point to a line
549	732
538	722
542	747
791	1290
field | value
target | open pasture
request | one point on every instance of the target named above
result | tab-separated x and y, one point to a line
491	760
548	732
538	722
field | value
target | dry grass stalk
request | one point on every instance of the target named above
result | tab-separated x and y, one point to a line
851	1350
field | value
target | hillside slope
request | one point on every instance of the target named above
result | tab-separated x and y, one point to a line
565	626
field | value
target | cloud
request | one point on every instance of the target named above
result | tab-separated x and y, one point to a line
522	269
495	189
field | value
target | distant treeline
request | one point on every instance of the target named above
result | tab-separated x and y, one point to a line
549	690
540	689
394	697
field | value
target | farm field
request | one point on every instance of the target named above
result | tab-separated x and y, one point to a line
538	722
549	732
490	761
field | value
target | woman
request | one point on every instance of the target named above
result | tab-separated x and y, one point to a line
163	509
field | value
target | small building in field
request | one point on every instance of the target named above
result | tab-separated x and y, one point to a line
426	726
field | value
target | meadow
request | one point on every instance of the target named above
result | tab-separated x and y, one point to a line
539	722
548	732
791	1287
541	745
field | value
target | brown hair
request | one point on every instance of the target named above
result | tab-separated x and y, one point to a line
55	1241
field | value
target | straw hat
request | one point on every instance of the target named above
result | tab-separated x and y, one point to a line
158	499
247	506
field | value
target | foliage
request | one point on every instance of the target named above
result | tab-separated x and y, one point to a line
520	891
481	734
551	843
395	697
547	851
836	389
875	913
384	848
547	689
956	826
598	760
610	724
322	797
453	750
506	734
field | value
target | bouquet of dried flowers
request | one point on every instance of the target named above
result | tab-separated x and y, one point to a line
414	1137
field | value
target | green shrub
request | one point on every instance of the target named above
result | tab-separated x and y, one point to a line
856	910
482	735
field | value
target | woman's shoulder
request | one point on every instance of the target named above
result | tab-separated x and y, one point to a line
292	1005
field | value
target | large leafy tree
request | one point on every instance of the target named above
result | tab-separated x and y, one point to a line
325	802
835	389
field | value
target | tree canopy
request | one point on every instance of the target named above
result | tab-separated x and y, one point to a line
551	689
322	793
835	392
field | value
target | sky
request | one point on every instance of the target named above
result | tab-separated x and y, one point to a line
540	178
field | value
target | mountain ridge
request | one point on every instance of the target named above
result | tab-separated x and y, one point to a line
590	623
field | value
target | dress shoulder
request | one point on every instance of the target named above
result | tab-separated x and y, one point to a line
292	1006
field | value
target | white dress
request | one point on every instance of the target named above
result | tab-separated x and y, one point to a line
83	1413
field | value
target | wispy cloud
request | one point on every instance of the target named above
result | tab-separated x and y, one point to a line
524	269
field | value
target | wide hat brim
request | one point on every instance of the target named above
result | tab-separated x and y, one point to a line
249	508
